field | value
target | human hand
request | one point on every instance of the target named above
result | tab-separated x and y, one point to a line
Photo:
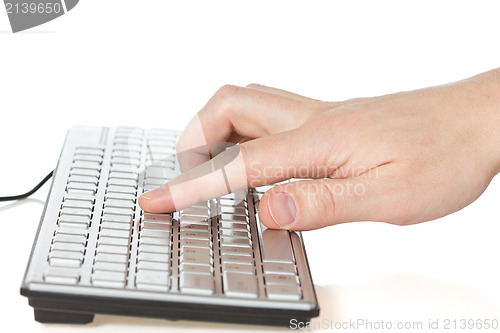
403	158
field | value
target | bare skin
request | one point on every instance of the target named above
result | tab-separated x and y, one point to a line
403	158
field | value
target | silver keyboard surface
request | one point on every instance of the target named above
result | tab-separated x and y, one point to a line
95	241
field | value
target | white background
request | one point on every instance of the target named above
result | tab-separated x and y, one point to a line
155	63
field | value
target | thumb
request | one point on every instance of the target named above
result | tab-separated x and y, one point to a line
314	204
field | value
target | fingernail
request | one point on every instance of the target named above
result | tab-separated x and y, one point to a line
282	209
153	194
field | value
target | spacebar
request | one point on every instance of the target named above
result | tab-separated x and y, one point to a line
276	246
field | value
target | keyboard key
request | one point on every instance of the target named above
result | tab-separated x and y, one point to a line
124	168
109	257
154	225
159	172
194	219
97	151
194	211
123	182
65	258
234	233
89	187
88	155
109	279
82	226
115	225
74	219
195	250
113	233
110	266
232	202
239	242
122	189
117	218
105	240
194	283
69	203
196	259
87	197
59	246
154	249
154	241
240	251
197	242
279	268
157	218
77	211
71	232
231	258
232	210
83	179
242	226
64	262
119	203
281	279
161	278
87	165
126	154
125	160
84	172
240	284
155	233
124	175
119	211
61	275
113	249
158	257
194	234
121	196
200	269
87	158
284	292
75	191
125	139
152	265
126	147
241	268
233	217
70	238
276	246
195	227
155	181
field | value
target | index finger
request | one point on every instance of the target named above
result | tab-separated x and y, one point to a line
258	162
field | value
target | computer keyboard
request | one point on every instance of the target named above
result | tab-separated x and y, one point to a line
96	251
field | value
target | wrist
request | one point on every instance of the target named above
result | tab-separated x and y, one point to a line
483	98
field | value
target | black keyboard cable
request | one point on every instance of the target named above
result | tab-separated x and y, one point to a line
29	193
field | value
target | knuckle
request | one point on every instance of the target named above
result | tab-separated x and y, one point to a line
227	91
225	97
